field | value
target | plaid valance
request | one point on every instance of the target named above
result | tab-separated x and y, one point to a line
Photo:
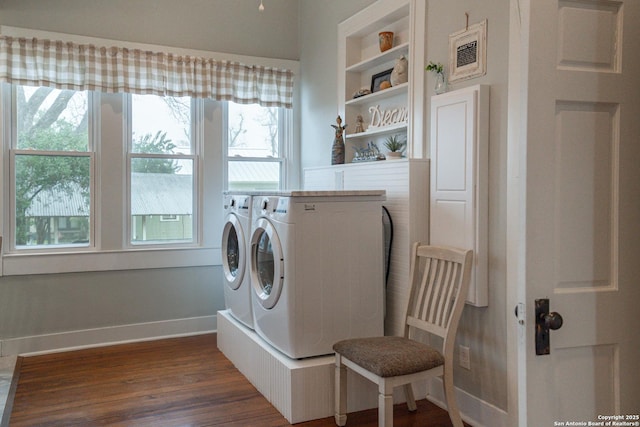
67	65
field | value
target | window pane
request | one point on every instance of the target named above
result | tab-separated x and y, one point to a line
161	125
246	175
52	200
253	131
52	119
161	200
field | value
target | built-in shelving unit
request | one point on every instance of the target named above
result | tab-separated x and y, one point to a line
379	131
359	59
382	58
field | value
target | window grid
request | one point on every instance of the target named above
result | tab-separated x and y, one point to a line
49	194
235	163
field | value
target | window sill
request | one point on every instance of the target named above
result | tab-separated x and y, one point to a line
132	259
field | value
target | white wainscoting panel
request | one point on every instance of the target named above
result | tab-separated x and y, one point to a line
406	182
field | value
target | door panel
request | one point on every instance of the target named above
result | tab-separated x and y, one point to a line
581	200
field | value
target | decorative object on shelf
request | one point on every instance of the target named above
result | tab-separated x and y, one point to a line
468	52
361	92
359	124
400	73
387	117
441	81
441	84
370	153
377	79
385	38
261	7
337	150
395	145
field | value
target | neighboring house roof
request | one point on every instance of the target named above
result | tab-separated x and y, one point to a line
151	194
59	202
254	171
161	194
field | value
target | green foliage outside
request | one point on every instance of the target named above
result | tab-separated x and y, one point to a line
154	144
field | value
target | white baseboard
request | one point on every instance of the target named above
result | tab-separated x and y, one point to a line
473	410
98	337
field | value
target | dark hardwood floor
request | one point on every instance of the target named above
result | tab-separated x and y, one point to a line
173	382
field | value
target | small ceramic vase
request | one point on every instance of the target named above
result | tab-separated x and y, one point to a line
385	39
399	74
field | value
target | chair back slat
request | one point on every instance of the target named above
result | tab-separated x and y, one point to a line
436	289
439	278
426	326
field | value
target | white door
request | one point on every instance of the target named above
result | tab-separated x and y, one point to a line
574	200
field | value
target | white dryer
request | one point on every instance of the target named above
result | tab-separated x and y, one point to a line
235	257
317	269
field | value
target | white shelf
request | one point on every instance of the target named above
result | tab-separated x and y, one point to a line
379	95
385	56
359	58
382	130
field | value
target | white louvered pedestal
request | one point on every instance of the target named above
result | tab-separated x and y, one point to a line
302	390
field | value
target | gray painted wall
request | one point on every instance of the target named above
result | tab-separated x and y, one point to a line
46	304
318	63
482	329
230	26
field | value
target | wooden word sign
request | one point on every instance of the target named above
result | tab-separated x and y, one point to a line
387	117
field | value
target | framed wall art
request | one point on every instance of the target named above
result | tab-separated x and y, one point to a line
468	52
377	79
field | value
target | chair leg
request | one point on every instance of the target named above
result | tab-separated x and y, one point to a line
340	407
385	409
450	395
411	400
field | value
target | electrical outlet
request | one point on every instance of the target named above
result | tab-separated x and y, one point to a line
465	357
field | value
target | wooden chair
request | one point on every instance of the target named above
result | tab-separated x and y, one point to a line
439	285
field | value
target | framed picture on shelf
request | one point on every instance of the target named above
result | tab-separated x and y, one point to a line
377	79
468	52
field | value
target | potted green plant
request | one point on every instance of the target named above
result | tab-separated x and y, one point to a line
395	145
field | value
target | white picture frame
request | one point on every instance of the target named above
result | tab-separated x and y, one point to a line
468	52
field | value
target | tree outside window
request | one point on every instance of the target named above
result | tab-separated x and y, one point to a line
52	167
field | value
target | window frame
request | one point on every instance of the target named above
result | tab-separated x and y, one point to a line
196	151
108	250
13	151
285	141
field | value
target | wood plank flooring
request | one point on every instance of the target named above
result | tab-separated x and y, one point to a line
173	382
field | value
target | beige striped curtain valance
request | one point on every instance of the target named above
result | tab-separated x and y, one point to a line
67	65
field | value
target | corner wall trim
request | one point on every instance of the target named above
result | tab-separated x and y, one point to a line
473	410
98	337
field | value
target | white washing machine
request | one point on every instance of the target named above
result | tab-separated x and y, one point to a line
317	269
236	256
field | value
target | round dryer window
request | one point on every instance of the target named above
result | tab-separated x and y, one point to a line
233	252
267	268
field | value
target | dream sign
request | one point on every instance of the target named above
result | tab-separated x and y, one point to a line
387	117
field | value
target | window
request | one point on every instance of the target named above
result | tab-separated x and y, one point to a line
255	146
54	171
52	159
161	165
90	179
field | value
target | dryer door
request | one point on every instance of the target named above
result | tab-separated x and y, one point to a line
267	264
233	252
